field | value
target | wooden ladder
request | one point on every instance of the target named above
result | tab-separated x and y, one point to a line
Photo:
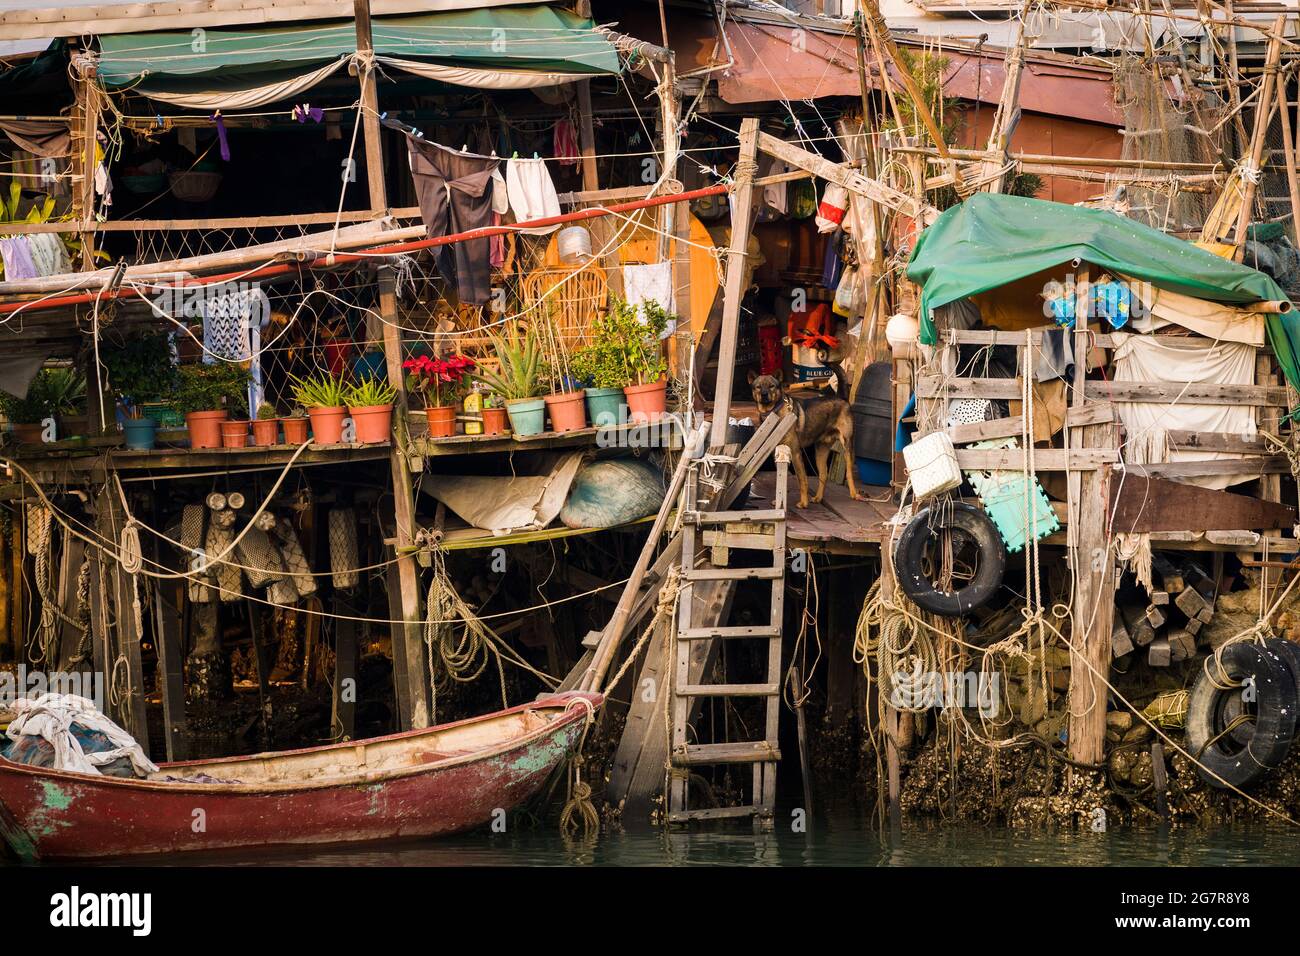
754	528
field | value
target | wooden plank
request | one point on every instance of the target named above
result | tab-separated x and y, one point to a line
1012	427
1217	441
169	605
1194	393
1256	465
998	337
1140	504
854	182
939	386
1079	415
742	220
1045	459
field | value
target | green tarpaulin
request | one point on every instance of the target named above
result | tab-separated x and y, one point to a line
991	239
529	38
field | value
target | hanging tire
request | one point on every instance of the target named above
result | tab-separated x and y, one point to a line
1235	706
991	562
1223	758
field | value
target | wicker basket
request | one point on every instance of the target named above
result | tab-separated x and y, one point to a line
195	185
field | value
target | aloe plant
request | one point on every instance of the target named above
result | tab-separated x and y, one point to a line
320	391
369	393
523	372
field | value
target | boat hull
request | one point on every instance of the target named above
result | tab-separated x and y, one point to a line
49	814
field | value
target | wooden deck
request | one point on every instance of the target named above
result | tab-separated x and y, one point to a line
838	524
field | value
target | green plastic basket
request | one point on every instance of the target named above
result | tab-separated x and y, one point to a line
164	415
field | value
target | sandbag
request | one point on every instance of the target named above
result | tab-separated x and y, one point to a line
609	493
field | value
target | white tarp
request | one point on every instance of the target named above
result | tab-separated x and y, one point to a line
502	504
1168	358
1216	321
51	716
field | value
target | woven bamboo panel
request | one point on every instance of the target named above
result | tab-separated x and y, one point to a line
572	297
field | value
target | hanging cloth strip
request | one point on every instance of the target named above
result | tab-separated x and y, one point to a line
455	195
532	193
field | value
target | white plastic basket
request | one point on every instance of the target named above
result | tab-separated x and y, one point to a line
932	465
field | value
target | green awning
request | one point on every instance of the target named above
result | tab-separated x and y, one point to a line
991	239
528	45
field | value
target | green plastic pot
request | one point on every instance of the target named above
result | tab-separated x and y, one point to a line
603	405
527	416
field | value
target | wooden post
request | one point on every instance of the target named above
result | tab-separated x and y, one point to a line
1008	115
742	218
168	610
344	717
370	109
1263	114
602	229
1289	154
409	673
1092	561
84	130
130	713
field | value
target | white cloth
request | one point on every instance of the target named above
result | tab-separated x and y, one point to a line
532	193
646	283
51	716
1214	320
1165	358
500	196
49	254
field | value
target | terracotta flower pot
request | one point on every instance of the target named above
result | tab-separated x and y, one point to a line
295	430
647	403
442	421
234	434
374	423
205	428
29	433
496	421
327	424
568	410
266	431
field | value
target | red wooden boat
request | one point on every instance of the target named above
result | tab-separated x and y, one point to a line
414	784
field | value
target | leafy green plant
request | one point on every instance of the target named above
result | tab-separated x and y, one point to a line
54	391
140	369
523	372
321	390
266	411
369	393
205	388
625	349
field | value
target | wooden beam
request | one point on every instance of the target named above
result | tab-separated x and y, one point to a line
742	218
370	108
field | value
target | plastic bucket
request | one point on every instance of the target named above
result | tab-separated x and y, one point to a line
139	433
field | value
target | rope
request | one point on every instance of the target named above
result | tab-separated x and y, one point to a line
579	813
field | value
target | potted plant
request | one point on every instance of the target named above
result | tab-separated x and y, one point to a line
371	406
520	378
206	395
599	367
266	427
643	357
495	417
141	372
322	395
295	426
27	413
441	384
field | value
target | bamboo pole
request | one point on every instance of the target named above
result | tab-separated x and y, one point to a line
1263	115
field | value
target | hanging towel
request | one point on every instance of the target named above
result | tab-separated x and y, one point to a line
565	144
532	193
455	194
654	282
49	254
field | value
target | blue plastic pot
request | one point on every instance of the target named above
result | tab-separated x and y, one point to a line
527	416
139	433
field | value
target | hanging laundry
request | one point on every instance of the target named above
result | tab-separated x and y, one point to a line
565	144
308	112
17	256
645	283
232	331
455	195
532	193
221	135
49	254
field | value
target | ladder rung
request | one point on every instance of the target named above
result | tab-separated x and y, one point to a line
746	751
735	574
727	690
726	517
713	813
727	633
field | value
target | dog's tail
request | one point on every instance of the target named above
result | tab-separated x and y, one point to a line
841	379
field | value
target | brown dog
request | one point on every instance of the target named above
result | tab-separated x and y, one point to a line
820	423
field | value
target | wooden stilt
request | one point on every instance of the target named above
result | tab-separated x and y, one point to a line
168	609
344	720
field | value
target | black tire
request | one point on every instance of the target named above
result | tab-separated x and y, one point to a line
910	552
1223	760
1234	706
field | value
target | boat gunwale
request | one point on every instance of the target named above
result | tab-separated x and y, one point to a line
564	703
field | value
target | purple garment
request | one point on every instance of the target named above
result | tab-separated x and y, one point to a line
221	135
17	255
